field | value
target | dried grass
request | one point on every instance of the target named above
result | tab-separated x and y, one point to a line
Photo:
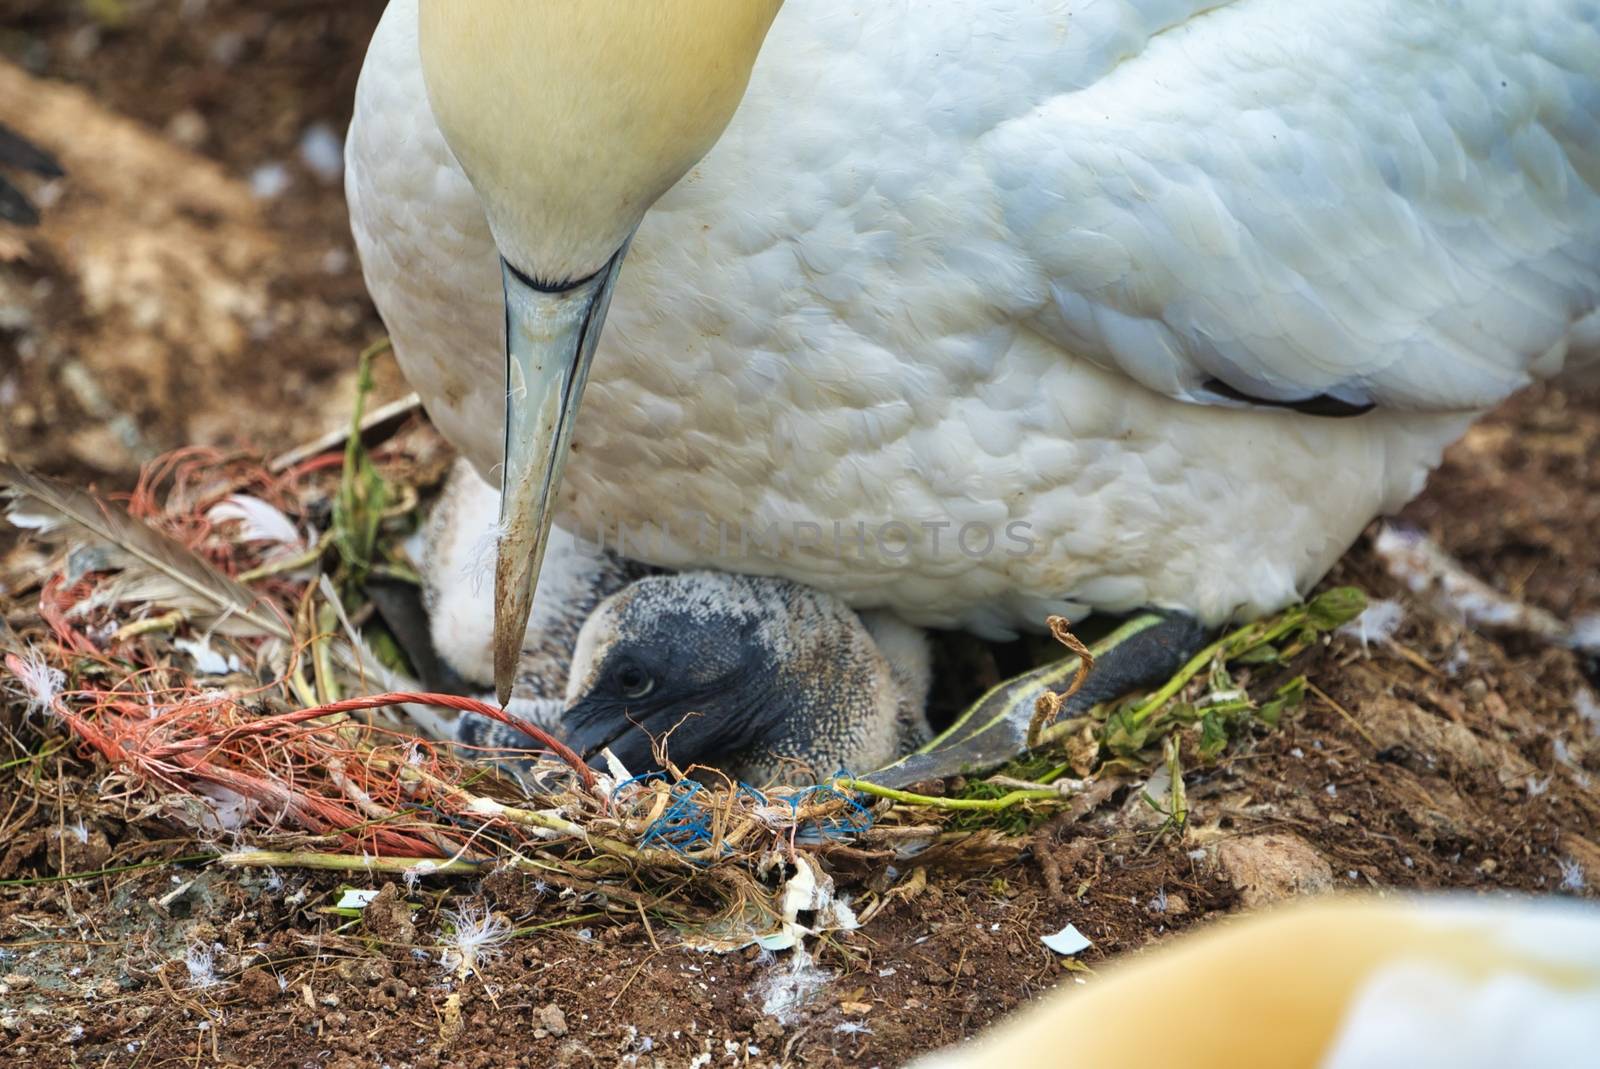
274	761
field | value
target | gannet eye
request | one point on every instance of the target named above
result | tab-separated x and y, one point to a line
632	680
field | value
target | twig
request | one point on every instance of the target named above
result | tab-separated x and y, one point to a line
151	624
488	807
1049	704
517	933
635	974
289	564
1060	786
649	931
1342	711
1414	657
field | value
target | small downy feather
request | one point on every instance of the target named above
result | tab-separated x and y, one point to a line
259	522
155	569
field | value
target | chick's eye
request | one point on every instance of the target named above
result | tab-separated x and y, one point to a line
633	681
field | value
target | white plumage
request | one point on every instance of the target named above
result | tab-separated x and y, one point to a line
979	262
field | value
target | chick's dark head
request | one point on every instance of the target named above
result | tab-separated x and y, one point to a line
741	673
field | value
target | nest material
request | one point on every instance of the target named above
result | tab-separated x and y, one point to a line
219	705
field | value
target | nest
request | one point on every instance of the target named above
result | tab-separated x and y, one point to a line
199	638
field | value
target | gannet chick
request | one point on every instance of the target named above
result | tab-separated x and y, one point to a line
764	679
770	679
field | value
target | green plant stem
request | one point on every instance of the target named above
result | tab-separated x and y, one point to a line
397	571
361	500
1232	645
983	805
115	871
294	859
517	933
321	659
54	748
150	625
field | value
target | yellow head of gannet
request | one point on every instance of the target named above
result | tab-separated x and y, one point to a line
571	119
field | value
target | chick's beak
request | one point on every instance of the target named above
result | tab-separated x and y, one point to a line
551	335
634	732
591	727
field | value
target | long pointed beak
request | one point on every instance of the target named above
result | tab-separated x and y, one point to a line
550	342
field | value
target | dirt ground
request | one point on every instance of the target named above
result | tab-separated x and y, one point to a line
195	283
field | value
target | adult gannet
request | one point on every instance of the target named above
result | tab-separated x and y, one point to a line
976	309
1341	983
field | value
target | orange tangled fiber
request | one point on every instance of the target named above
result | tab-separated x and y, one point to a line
357	786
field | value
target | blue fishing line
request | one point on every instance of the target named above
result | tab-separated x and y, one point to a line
684	824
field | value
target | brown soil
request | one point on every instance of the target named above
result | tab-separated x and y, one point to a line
163	304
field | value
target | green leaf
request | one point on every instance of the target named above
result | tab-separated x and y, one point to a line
108	13
363	495
1123	736
1213	737
1334	608
386	649
1289	696
1176	714
1179	811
